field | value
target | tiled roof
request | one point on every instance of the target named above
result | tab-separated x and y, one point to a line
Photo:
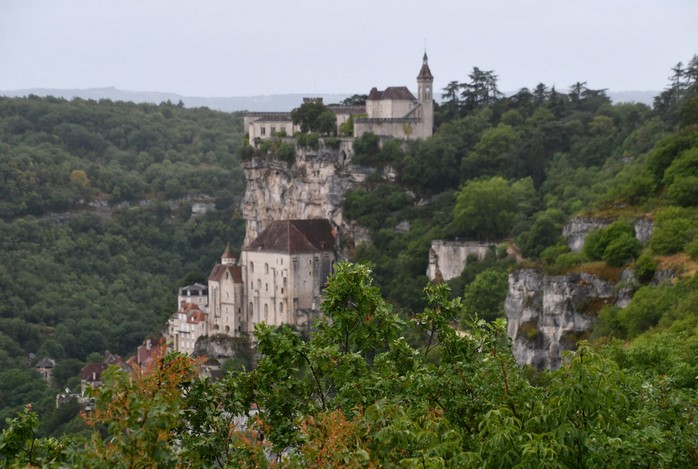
219	270
196	316
392	92
91	369
296	236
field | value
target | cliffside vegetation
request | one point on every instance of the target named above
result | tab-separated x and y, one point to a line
80	271
372	388
358	395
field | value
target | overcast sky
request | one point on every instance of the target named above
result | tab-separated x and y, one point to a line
234	48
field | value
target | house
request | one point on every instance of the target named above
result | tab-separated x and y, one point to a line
182	330
285	269
196	294
91	374
45	368
392	113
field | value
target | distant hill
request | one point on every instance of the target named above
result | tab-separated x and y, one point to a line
277	102
266	103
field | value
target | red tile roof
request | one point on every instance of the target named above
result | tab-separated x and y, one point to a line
296	236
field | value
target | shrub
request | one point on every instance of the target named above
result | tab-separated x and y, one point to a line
644	268
674	227
622	250
683	191
597	241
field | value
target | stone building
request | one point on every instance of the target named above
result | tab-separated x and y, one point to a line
226	297
392	113
185	327
278	280
396	113
196	294
284	270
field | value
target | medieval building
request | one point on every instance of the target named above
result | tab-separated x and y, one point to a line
392	113
278	280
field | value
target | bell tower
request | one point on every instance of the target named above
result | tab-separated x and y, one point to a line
425	87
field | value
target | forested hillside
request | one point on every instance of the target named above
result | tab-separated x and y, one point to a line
81	272
387	379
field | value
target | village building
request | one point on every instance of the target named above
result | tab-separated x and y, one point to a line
196	294
45	368
392	113
184	328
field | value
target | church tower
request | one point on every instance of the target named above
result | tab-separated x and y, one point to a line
425	82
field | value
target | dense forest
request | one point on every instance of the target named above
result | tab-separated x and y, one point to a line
386	380
97	230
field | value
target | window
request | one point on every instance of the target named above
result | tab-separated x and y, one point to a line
266	287
281	308
266	312
259	284
273	130
263	131
266	268
251	267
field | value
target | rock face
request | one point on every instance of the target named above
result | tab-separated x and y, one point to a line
549	314
310	188
578	227
447	259
221	346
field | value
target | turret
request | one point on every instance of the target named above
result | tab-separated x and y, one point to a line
228	257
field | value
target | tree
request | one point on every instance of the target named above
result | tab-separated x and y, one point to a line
313	116
487	208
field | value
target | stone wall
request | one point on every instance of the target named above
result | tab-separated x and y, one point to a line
447	259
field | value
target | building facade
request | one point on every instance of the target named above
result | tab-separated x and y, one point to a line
278	280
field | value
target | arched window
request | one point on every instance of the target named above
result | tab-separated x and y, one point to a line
281	307
251	267
266	268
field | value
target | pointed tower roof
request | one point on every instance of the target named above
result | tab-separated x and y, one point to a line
228	256
425	73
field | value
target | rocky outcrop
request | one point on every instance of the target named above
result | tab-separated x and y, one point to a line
222	346
577	228
447	259
548	314
310	188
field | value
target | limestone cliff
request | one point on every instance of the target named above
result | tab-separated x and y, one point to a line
447	259
310	188
578	227
548	314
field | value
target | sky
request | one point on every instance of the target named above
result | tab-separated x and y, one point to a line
225	48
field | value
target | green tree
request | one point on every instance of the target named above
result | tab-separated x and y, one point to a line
313	116
488	208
